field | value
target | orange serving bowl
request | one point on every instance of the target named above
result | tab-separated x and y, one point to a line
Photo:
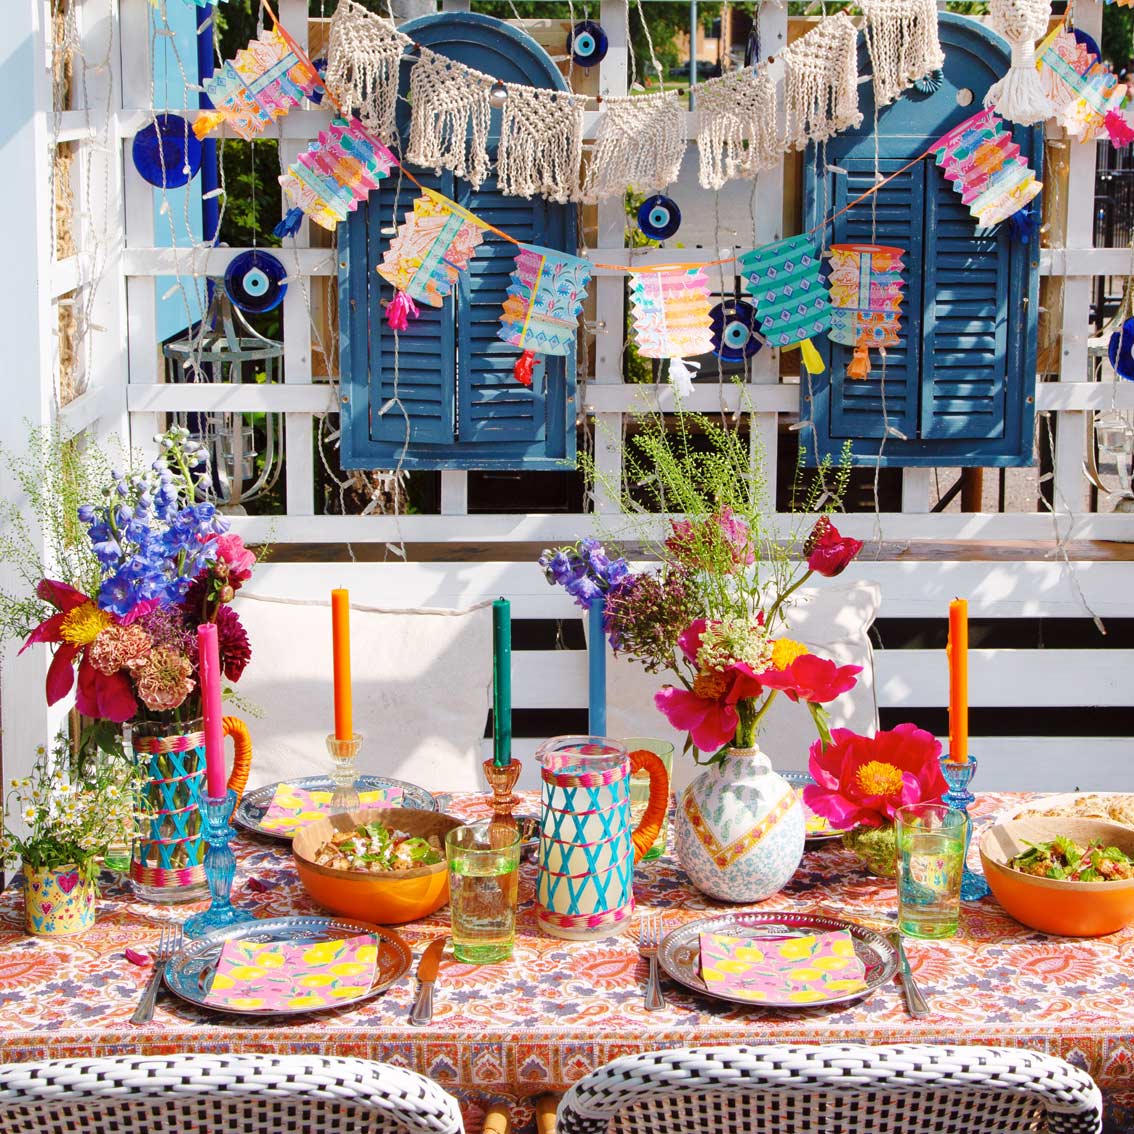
391	897
1068	909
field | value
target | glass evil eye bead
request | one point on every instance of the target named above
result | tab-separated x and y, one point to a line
587	44
733	324
659	217
166	152
254	282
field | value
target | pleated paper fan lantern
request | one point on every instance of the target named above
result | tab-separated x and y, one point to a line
866	297
984	165
261	83
672	319
1085	93
337	171
786	284
433	245
541	311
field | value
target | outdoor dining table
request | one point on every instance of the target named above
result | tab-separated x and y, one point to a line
560	1009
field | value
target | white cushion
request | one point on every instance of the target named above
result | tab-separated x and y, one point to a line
422	684
833	621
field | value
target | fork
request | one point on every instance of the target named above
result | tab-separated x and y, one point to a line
651	930
169	945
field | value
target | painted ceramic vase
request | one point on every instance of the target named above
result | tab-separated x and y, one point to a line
587	846
58	902
739	828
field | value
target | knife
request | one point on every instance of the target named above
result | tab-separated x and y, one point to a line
427	975
915	1002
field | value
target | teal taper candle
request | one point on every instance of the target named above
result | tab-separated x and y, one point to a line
501	682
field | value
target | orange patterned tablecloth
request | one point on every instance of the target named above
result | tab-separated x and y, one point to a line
560	1009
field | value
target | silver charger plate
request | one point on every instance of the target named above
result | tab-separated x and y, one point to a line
800	780
680	951
254	804
189	974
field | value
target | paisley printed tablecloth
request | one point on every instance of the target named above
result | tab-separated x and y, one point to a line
560	1009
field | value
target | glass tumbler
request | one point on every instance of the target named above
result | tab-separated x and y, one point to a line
484	860
931	855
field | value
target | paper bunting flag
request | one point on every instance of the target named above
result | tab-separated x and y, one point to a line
262	83
544	300
866	295
1085	93
433	245
672	319
985	167
785	281
336	171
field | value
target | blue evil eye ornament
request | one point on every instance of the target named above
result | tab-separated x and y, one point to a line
166	152
254	282
587	44
734	324
659	217
1120	349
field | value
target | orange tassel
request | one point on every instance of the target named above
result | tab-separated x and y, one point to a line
522	371
207	122
860	365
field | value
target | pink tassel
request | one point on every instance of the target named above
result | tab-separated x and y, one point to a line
399	311
522	371
1119	128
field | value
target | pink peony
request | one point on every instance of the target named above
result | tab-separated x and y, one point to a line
240	561
811	679
863	780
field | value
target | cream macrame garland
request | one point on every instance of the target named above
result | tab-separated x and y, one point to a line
363	56
1020	96
736	127
450	119
821	82
640	143
541	143
901	36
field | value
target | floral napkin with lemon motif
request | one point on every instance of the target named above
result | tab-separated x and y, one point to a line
294	807
782	970
274	976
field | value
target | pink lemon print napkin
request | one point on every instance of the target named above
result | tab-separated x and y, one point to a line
782	970
274	976
295	807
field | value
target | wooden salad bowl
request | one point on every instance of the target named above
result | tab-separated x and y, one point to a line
1068	909
390	897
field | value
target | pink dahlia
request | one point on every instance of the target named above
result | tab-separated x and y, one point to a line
863	780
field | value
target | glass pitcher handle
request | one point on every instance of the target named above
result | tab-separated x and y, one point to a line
657	806
241	754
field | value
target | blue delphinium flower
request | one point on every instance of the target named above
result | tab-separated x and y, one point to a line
585	571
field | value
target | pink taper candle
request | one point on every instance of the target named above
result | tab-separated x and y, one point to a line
208	667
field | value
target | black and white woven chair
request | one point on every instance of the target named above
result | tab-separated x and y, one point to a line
236	1094
833	1089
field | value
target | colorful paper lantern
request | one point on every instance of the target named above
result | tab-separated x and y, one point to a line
433	245
672	319
260	84
787	286
1085	93
984	165
336	171
866	297
542	307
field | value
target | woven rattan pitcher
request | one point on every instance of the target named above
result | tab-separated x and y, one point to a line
167	861
587	848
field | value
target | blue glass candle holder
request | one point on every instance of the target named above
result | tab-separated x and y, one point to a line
957	775
220	866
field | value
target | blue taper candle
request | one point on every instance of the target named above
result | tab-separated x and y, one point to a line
596	669
501	682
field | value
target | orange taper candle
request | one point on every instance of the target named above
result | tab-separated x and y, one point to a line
340	637
958	654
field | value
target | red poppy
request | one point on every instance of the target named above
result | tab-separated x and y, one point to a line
863	780
75	625
829	553
707	711
811	678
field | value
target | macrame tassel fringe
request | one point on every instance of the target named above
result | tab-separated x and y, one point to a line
681	376
736	133
1020	96
525	366
901	36
821	82
541	143
859	366
640	143
1118	128
400	310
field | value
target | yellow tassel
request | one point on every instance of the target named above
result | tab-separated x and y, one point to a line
860	364
811	357
207	122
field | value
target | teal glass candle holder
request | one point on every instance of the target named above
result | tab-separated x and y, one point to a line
958	775
220	868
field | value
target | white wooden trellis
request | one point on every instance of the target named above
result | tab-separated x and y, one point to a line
125	395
